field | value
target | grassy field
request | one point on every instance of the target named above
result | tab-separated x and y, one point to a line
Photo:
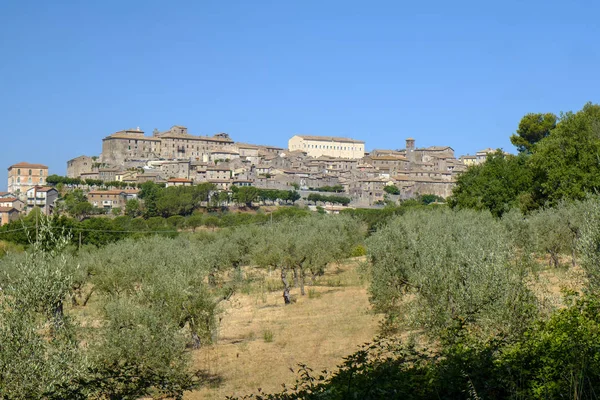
261	341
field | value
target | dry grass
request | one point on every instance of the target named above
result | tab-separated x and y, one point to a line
261	340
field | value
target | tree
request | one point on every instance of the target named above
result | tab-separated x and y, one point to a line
392	189
532	129
499	184
133	208
149	193
245	195
449	271
566	162
76	204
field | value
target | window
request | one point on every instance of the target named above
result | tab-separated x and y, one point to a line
19	171
18	179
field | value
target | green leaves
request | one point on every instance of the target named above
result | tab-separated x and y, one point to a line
532	129
448	268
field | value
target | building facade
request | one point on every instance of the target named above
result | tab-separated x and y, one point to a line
23	176
317	146
43	197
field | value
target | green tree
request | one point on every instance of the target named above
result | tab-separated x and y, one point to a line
133	208
566	162
449	271
499	184
532	129
392	189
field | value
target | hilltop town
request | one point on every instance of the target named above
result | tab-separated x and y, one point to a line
177	158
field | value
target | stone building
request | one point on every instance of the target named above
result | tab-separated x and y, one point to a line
12	202
367	191
177	143
179	182
109	199
81	165
8	214
316	146
23	176
129	144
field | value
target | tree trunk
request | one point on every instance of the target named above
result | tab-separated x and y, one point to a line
212	281
58	316
302	274
87	297
554	259
286	287
295	270
196	342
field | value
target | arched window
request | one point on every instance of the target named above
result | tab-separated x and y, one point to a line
19	171
19	179
30	172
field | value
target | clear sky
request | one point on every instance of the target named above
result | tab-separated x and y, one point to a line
458	73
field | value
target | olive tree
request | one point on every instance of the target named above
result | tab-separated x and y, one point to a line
449	269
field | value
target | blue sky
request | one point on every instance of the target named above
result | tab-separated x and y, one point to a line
456	73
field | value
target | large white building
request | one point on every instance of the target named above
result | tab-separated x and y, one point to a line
316	146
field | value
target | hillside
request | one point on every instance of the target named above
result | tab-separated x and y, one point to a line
261	340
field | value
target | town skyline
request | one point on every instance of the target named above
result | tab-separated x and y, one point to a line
61	169
458	74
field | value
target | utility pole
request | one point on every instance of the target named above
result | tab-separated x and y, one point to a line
37	235
79	240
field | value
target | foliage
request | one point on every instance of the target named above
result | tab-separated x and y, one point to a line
46	353
532	129
497	185
331	189
304	247
315	197
392	189
566	161
450	269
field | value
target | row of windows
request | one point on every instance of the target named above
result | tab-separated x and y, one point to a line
323	146
30	172
41	180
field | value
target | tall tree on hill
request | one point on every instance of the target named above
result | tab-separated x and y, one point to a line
499	184
532	129
567	162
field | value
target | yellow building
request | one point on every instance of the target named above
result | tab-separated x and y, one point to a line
317	146
23	176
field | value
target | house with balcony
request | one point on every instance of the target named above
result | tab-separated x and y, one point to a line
43	197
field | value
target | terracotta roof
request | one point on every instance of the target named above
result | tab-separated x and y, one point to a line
246	146
113	192
43	188
4	193
28	165
330	139
439	148
172	135
8	209
224	151
388	158
180	180
7	199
